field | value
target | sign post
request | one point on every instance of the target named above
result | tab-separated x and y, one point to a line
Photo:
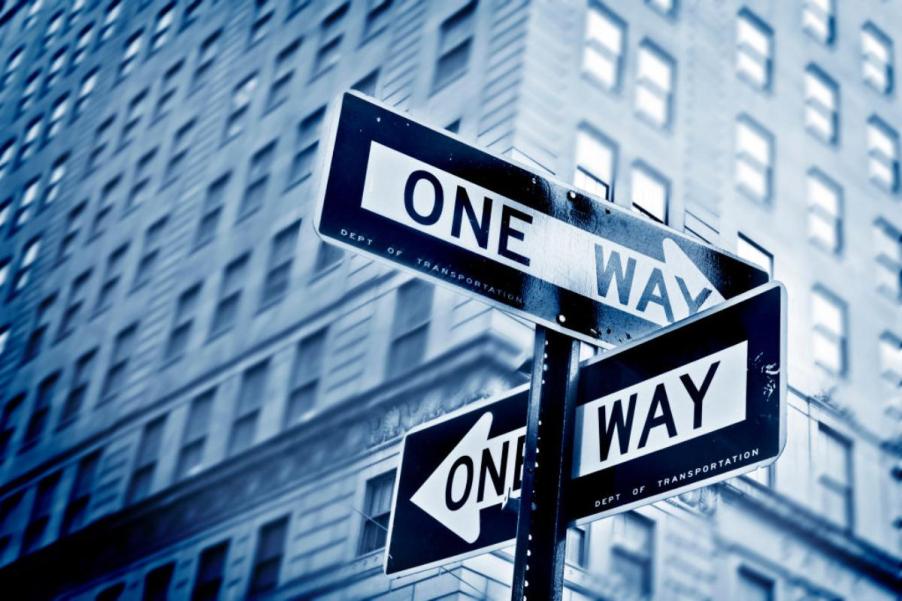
542	520
641	423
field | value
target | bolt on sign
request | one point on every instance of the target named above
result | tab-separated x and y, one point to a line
423	199
699	402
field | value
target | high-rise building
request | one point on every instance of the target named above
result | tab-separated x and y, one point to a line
199	399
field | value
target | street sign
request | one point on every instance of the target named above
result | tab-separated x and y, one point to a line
423	199
702	401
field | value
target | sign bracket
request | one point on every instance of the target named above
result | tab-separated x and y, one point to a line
542	519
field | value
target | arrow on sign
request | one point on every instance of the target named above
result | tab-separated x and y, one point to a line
659	291
479	472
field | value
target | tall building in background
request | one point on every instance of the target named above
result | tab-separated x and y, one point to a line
199	399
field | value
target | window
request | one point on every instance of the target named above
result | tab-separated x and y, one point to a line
327	256
190	15
9	423
230	289
57	114
140	190
890	352
209	50
331	35
825	211
88	84
821	104
157	583
819	19
5	211
754	159
32	15
6	155
4	338
754	50
102	137
377	14
56	67
367	85
78	388
210	572
168	88
146	460
12	64
410	327
212	210
191	454
43	401
73	226
111	277
649	192
278	269
376	509
604	48
454	46
755	254
41	511
162	27
247	407
57	172
305	146
632	553
577	546
835	476
889	259
305	376
282	74
883	154
257	178
182	322
32	133
876	58
29	91
113	11
268	557
150	254
753	587
29	255
829	336
105	205
181	144
4	271
130	55
74	304
654	85
9	522
41	324
80	494
263	12
596	156
23	213
133	118
242	96
119	359
81	45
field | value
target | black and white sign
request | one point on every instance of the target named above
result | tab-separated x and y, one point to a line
423	199
700	402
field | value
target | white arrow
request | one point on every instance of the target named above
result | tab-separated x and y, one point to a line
458	480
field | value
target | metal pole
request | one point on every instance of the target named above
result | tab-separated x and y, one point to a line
541	522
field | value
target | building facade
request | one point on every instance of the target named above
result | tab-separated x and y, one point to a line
199	399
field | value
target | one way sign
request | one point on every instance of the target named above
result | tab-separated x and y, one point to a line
422	199
700	402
